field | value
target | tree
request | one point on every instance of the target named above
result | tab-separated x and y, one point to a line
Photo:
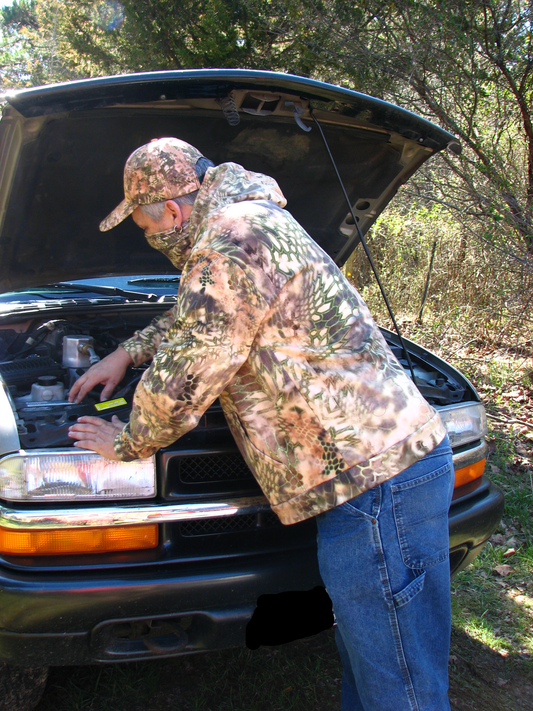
140	35
93	37
466	64
36	50
15	45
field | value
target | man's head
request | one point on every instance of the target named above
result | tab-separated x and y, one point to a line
163	170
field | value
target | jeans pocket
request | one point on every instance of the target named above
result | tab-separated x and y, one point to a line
409	591
421	515
363	504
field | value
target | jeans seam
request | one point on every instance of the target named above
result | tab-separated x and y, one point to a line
376	504
440	453
354	511
393	620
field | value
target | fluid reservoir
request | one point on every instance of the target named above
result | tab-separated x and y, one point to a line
47	389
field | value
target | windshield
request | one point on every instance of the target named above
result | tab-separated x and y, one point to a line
130	287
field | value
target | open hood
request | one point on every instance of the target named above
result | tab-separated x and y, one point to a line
63	149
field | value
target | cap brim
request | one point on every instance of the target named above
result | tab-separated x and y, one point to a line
119	213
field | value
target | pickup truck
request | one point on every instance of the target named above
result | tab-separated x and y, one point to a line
104	561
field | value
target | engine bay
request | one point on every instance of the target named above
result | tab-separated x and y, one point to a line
40	360
40	364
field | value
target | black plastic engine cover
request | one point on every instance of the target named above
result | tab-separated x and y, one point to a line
19	372
47	425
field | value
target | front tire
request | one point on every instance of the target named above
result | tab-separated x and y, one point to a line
21	688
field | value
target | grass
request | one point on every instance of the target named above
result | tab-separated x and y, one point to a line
492	599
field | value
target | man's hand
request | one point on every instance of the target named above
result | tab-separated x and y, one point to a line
96	434
109	372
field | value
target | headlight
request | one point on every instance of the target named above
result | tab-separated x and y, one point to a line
465	423
67	476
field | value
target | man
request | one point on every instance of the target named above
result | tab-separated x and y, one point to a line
322	412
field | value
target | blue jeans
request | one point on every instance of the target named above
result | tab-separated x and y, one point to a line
383	557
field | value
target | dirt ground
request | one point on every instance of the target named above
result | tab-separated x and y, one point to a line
480	680
483	680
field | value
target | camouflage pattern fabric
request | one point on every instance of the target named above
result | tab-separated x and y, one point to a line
318	405
144	344
160	170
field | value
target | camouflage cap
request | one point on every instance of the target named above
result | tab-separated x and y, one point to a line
160	170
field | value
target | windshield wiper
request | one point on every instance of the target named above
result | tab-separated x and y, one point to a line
155	280
107	290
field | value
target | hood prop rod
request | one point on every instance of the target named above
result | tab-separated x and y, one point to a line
351	244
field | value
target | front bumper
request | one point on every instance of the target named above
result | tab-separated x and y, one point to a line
63	620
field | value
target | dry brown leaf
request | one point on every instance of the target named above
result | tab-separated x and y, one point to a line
509	552
503	570
521	450
498	539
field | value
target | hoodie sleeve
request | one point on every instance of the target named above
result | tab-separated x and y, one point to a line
143	344
217	316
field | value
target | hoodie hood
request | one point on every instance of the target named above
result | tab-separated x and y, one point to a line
230	183
224	185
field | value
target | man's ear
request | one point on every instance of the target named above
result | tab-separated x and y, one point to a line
175	210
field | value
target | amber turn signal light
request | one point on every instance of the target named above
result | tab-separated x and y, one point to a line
77	540
467	474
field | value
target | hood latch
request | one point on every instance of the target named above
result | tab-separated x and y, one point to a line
297	110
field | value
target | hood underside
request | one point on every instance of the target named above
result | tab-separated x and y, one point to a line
63	149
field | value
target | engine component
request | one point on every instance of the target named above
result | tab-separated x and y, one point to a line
28	370
47	388
46	424
78	352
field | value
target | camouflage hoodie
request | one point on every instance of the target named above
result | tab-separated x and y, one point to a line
318	405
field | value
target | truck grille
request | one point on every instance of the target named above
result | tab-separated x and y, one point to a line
229	524
191	473
213	467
